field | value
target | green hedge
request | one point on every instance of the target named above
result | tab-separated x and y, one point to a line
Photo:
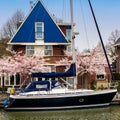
116	76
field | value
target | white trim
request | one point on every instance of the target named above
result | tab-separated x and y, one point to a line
39	44
58	108
69	94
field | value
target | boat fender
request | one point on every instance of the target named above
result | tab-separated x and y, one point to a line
5	102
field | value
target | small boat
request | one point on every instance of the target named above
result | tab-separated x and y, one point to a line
53	95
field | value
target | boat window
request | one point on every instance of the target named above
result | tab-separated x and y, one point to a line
41	86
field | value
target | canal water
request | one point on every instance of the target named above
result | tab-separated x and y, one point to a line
107	113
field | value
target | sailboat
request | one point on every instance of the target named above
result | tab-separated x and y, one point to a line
54	95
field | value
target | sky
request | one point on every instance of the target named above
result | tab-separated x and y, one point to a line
107	13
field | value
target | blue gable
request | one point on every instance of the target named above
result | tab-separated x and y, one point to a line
26	33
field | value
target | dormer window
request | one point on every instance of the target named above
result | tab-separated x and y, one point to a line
39	30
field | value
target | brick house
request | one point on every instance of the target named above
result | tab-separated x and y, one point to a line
101	77
117	51
40	33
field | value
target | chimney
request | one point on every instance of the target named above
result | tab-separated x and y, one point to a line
31	4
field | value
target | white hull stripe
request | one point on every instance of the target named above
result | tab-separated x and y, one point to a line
58	108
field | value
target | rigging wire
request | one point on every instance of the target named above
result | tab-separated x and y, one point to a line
84	23
101	39
63	9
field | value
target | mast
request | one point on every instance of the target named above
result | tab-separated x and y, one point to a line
72	41
72	36
101	40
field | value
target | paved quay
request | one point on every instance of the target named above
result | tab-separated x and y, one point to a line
116	99
2	98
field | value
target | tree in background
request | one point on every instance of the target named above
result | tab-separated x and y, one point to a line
8	30
11	26
22	64
87	62
112	39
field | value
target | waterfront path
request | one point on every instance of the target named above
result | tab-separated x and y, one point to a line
2	98
116	99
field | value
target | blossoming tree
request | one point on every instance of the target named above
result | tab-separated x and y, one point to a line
89	62
22	64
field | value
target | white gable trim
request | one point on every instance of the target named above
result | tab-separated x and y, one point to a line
39	44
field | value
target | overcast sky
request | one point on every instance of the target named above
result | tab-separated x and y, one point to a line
107	13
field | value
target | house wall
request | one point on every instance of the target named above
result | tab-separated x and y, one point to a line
63	28
118	59
58	50
19	48
86	80
39	50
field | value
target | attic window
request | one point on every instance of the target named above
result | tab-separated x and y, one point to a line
39	30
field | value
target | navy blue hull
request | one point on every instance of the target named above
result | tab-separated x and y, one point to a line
76	101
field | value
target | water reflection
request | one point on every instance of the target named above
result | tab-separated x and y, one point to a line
108	113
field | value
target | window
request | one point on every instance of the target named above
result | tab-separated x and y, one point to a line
7	80
0	80
39	30
68	34
69	49
12	80
100	76
17	79
48	50
29	50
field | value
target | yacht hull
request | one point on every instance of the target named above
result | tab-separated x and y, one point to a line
59	102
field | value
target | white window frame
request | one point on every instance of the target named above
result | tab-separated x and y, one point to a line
7	79
39	35
30	50
48	48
